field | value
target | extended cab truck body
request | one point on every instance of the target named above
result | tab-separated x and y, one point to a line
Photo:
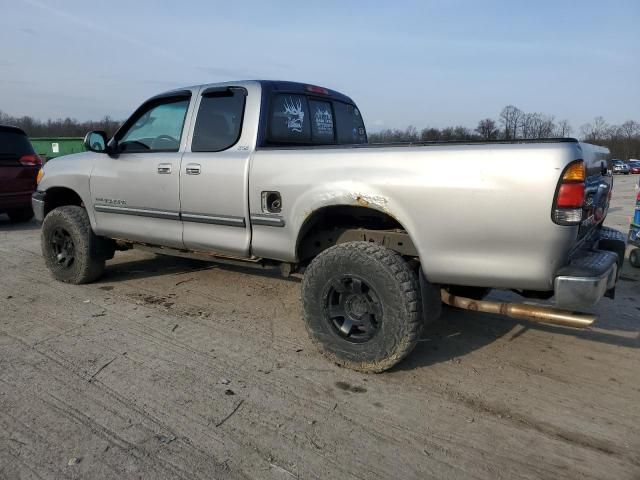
281	172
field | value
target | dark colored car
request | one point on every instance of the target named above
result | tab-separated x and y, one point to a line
19	165
634	166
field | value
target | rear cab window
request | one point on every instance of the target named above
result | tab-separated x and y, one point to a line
289	119
322	130
301	119
350	124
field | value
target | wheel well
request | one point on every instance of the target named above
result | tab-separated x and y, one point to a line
60	196
331	225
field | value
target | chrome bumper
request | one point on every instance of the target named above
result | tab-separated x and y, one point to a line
591	275
581	292
37	202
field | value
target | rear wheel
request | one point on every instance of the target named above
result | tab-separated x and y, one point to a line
362	306
72	252
634	257
22	215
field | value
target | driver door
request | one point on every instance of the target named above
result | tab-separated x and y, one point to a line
135	191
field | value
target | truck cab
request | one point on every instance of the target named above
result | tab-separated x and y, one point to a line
177	171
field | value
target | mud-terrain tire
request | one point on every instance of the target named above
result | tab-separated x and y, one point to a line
72	252
362	306
21	215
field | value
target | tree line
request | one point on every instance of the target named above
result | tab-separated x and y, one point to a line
61	127
622	140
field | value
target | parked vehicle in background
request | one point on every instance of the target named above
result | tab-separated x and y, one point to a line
280	174
620	167
19	165
634	235
634	166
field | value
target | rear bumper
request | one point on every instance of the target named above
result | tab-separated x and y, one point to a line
10	201
591	274
37	203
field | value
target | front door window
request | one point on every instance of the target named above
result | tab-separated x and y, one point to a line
156	129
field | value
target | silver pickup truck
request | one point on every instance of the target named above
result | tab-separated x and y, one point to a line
280	174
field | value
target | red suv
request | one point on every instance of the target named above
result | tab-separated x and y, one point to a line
19	166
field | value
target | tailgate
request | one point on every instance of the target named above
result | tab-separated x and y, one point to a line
598	187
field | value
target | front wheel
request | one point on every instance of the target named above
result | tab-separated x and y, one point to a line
634	257
362	306
71	250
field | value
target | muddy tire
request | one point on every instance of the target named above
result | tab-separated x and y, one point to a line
362	306
72	252
20	216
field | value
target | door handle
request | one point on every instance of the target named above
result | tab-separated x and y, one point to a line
164	168
193	169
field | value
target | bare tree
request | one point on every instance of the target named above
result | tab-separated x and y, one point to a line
411	134
630	129
563	129
487	129
511	118
527	124
430	134
599	129
545	126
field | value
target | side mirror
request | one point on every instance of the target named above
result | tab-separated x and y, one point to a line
96	141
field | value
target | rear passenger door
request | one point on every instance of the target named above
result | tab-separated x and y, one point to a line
214	175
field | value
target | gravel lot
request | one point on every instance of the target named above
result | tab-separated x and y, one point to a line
173	368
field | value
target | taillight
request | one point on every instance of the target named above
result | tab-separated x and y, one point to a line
32	160
569	200
570	195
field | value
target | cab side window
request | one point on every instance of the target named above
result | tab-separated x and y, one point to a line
219	122
156	128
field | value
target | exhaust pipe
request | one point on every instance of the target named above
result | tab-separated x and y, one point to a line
521	311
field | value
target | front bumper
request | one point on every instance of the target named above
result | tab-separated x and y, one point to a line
591	274
37	202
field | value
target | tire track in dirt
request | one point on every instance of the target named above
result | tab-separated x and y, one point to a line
400	429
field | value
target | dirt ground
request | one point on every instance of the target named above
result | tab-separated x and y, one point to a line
173	368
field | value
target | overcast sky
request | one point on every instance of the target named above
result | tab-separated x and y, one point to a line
424	63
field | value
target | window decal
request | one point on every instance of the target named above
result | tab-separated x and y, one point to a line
295	115
324	121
